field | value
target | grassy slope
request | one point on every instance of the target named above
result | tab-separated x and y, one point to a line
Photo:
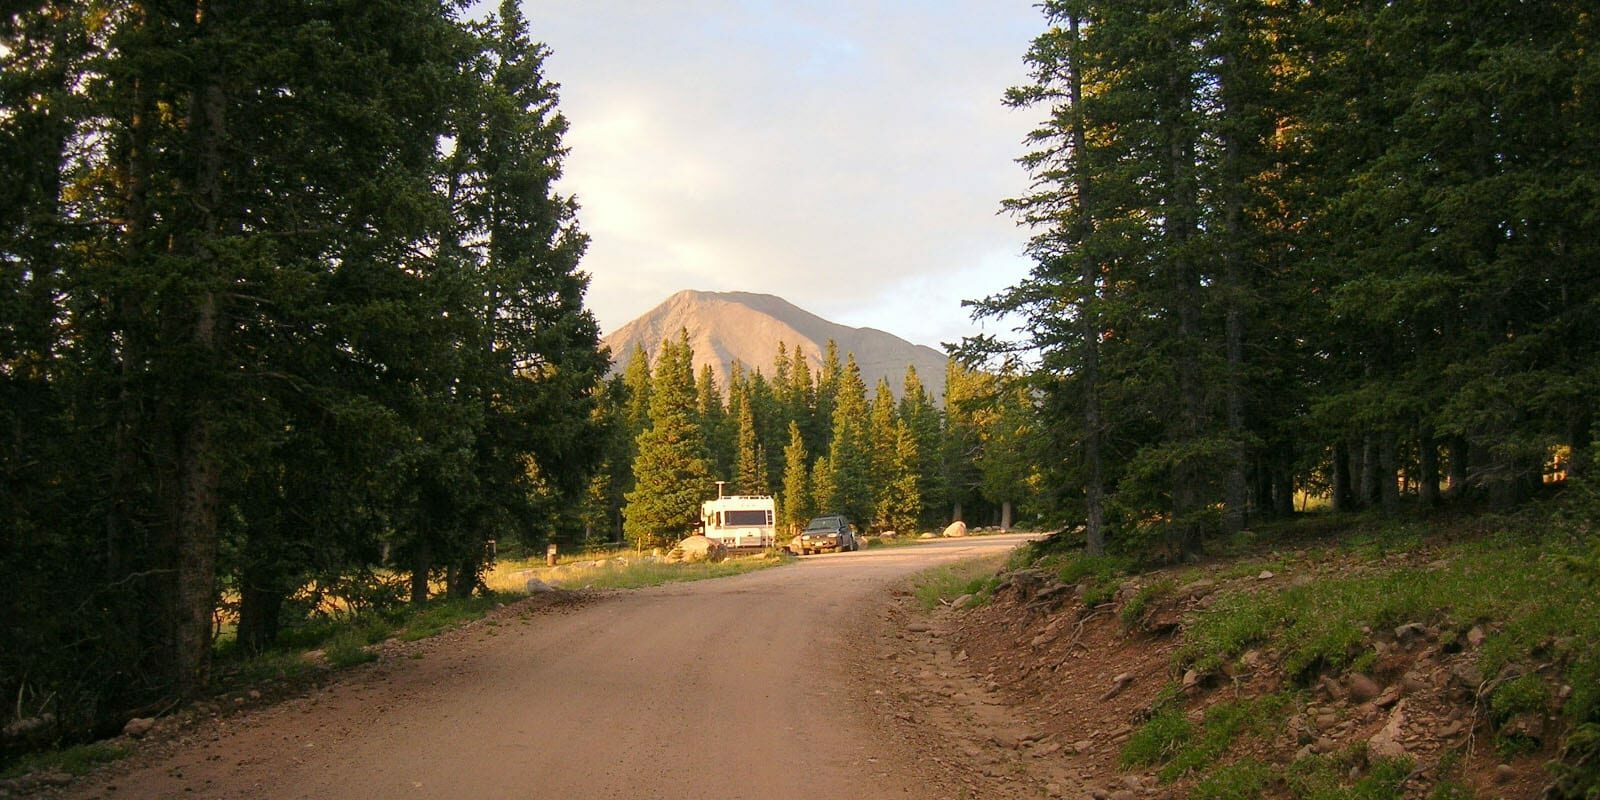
1527	584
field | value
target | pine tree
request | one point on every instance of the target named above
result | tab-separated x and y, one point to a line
636	378
720	430
671	475
849	453
881	447
531	352
827	397
801	403
902	500
751	477
824	490
799	504
965	396
922	417
1009	455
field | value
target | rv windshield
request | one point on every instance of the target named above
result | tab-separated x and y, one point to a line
737	518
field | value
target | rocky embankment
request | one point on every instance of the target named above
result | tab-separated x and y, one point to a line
1045	688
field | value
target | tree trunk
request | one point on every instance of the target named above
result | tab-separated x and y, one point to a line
1088	316
260	606
1261	478
1460	458
1342	500
463	579
126	555
1388	474
1283	489
421	566
1235	514
1428	466
955	512
199	472
1369	470
1005	515
1182	219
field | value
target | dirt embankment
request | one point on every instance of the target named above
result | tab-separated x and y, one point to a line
1036	694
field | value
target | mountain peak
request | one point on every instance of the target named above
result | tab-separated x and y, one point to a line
747	327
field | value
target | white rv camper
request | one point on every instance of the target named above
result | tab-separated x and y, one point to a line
740	521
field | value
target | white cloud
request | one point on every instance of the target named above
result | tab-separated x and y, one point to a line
847	156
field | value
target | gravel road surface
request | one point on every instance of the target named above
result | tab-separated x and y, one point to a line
742	687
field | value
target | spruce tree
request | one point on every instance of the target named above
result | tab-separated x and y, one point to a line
671	474
799	504
901	506
922	417
849	452
881	444
824	490
751	477
720	430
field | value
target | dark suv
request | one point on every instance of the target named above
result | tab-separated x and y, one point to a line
824	534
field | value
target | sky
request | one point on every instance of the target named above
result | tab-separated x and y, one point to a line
849	156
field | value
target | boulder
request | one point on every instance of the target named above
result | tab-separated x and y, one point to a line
138	727
1475	636
1194	589
1409	631
957	528
1118	683
698	548
1386	742
26	727
929	535
535	586
1362	688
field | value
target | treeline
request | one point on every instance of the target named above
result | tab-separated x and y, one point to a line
288	310
811	438
1342	248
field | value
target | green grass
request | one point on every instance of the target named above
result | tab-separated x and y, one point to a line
1099	575
77	760
1159	740
639	574
348	649
942	584
630	573
1319	627
900	540
345	640
1242	780
1133	610
1179	747
1326	778
436	618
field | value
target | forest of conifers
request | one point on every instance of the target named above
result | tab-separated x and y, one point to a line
1345	247
285	296
287	299
813	440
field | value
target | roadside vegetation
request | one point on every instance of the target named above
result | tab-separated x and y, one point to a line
1495	615
625	570
971	578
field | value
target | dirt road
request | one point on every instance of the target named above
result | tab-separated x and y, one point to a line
733	688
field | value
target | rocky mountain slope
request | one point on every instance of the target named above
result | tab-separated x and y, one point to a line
728	326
